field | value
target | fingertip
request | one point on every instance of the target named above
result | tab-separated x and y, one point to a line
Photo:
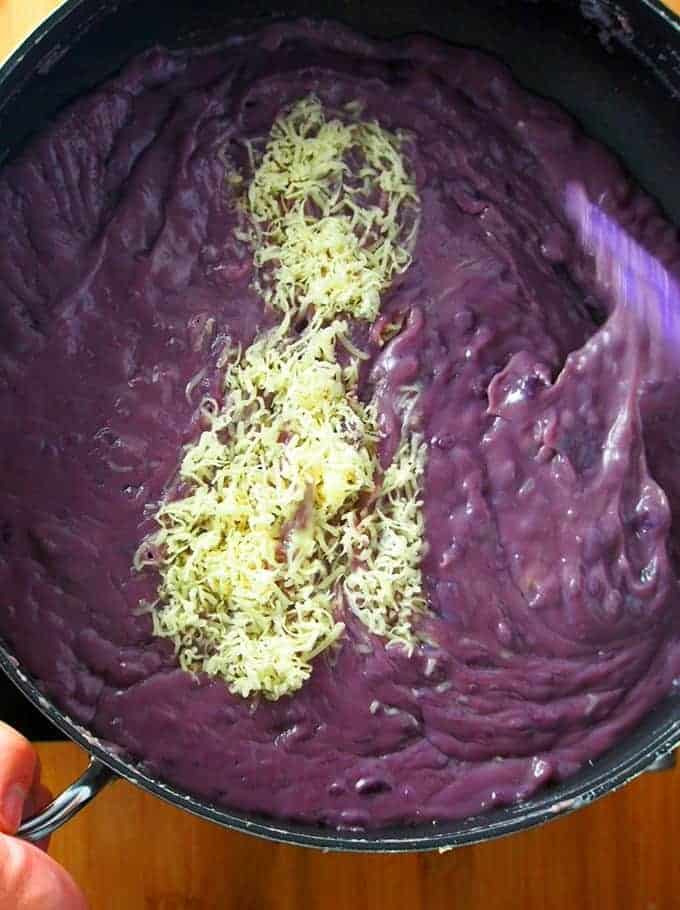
12	807
31	880
18	762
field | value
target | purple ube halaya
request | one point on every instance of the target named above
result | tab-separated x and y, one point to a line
551	483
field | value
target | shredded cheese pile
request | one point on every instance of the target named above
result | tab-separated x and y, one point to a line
333	212
289	516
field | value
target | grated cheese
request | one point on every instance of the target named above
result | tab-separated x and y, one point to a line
385	591
274	536
333	210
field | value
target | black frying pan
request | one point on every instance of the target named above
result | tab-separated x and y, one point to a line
615	66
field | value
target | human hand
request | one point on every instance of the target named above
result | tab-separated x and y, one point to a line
29	879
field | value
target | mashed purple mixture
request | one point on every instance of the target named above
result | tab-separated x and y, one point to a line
553	477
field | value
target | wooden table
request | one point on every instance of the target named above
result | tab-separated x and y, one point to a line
132	852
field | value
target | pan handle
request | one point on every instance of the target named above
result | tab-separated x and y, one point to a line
75	797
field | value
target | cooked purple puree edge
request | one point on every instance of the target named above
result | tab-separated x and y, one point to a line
551	484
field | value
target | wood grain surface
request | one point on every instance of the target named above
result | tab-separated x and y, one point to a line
129	851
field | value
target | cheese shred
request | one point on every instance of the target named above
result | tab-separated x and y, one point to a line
289	518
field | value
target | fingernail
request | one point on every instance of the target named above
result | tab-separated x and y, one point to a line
13	807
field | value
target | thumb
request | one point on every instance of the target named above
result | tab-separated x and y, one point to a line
31	880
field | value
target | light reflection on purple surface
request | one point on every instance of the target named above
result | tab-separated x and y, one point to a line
634	279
